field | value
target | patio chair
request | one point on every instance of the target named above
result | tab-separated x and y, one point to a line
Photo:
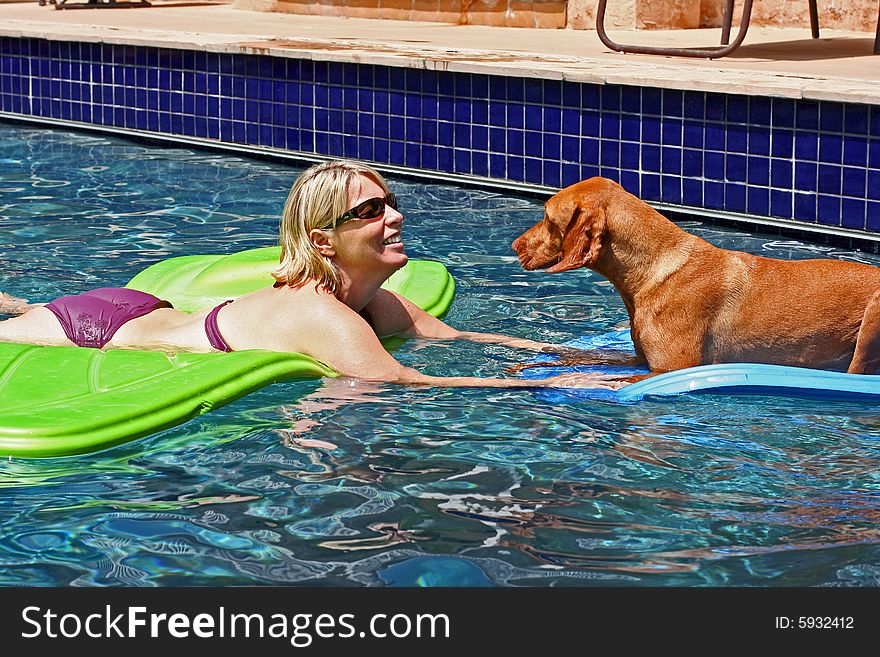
710	53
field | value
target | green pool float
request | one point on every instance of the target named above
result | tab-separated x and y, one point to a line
57	401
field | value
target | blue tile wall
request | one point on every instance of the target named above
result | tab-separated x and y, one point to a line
810	161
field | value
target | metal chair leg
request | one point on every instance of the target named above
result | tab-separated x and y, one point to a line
877	38
728	19
708	53
814	19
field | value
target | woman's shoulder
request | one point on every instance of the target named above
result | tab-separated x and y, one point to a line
383	299
282	319
391	313
293	304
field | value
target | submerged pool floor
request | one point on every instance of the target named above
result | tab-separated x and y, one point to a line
324	483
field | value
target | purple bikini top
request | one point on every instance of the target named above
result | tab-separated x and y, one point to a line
213	332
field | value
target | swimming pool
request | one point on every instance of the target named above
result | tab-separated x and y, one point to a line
408	486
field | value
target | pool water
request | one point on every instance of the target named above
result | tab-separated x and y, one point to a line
327	483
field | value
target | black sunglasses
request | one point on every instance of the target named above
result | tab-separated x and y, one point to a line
372	208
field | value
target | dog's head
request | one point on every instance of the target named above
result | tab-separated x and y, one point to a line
571	232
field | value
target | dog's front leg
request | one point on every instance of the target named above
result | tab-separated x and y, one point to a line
866	359
668	348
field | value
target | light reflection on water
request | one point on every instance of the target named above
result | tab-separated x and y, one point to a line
314	483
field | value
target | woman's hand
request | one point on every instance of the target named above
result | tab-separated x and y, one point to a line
10	305
531	345
512	342
570	357
584	380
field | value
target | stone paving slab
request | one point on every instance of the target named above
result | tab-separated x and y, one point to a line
772	62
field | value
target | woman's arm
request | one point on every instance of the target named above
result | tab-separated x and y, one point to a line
509	341
393	314
396	315
573	380
345	342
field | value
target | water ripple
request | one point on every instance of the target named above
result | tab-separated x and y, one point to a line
304	482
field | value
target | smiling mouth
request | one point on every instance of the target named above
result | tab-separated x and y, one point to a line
392	240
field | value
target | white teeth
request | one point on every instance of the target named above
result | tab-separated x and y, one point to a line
393	240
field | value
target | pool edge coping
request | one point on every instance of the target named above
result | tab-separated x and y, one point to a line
591	70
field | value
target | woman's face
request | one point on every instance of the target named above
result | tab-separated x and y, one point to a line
370	244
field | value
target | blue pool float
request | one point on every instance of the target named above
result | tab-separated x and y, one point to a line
724	379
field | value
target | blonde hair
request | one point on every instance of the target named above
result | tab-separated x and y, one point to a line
317	198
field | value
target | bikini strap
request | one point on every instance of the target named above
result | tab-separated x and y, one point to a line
213	331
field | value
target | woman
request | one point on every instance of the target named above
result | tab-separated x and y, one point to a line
340	241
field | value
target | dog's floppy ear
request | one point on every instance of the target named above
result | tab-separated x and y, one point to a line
582	242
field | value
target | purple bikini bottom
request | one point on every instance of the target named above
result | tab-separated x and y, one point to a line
92	318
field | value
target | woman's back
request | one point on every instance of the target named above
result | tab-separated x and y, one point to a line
276	319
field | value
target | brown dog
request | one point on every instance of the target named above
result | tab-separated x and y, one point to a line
691	303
